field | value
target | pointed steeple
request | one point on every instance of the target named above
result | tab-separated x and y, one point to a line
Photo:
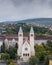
20	30
31	30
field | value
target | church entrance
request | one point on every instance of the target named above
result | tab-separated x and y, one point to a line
26	51
25	57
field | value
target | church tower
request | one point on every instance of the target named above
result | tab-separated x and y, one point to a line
32	41
20	41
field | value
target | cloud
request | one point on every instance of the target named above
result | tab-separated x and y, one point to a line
24	9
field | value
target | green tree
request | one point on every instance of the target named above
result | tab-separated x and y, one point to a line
16	45
11	63
12	51
40	52
3	49
49	46
33	60
46	62
5	56
39	48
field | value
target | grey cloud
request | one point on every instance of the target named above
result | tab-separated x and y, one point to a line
24	9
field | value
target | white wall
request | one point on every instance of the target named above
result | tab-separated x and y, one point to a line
40	41
1	42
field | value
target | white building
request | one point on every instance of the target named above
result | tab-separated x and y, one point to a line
26	47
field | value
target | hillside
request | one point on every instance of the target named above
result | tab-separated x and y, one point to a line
43	21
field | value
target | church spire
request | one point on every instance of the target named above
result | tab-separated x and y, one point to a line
20	30
32	40
31	30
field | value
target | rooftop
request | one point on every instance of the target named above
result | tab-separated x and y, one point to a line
15	36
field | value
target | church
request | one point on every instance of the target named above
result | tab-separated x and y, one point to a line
26	47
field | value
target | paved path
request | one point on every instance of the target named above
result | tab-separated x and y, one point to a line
2	63
24	63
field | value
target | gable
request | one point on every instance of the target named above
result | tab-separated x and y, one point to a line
26	47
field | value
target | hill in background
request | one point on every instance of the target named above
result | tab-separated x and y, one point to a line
42	21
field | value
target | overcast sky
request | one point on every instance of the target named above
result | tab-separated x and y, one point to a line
25	9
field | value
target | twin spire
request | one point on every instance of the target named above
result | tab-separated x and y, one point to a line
21	31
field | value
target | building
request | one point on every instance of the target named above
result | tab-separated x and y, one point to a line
26	46
50	28
50	62
25	42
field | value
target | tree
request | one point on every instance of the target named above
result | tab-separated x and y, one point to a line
39	48
46	62
3	49
12	51
11	63
5	56
41	52
33	60
49	46
16	45
49	43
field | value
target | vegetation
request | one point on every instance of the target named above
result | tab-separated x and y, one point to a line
42	54
33	60
14	28
13	52
11	63
5	56
3	48
10	53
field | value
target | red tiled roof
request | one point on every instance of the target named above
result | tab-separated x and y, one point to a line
2	37
43	38
11	35
15	36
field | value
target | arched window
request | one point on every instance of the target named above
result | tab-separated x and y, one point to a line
28	54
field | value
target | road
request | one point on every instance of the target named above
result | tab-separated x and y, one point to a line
22	63
2	63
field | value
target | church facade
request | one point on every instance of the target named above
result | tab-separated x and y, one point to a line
26	47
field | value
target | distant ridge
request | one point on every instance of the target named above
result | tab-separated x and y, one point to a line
44	21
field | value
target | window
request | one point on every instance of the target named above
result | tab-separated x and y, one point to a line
25	54
26	48
20	35
31	34
28	54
